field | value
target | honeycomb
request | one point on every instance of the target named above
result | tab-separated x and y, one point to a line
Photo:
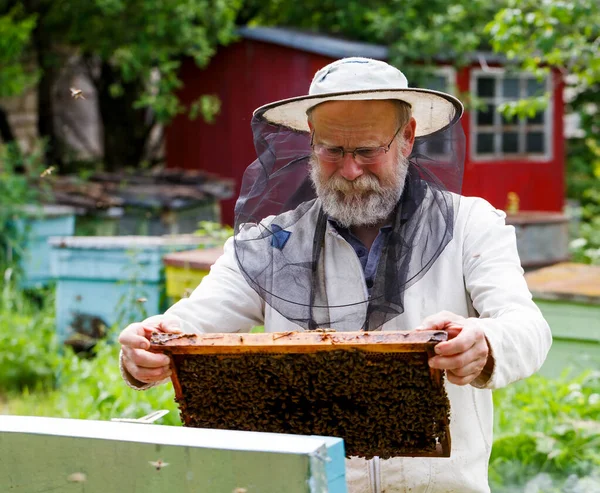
374	390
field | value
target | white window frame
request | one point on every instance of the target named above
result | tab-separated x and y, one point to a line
499	126
449	72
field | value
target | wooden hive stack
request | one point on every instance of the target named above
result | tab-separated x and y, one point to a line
373	389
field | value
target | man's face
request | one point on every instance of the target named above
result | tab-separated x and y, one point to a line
352	192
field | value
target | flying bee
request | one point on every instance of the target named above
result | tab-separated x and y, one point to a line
77	477
141	300
159	464
47	172
77	93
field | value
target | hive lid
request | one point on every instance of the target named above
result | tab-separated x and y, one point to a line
536	217
566	281
373	389
124	242
193	259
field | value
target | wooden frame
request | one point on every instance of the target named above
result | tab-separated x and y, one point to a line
375	348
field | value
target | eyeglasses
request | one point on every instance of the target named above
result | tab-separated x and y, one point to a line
362	155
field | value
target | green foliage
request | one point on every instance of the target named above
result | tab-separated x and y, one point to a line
17	197
30	353
42	378
547	434
542	35
213	231
144	41
15	31
93	389
416	32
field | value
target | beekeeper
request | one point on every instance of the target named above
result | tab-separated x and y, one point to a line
351	218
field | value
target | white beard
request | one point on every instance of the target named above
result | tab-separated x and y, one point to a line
364	201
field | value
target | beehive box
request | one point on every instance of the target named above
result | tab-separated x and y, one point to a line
102	278
39	224
373	389
185	270
568	295
59	455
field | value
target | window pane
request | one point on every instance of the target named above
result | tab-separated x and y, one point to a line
510	143
437	83
485	143
538	118
510	88
535	88
486	87
486	116
535	142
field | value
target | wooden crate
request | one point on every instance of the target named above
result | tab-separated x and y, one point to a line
373	389
568	295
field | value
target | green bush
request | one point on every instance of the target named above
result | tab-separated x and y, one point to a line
42	378
547	436
93	389
30	353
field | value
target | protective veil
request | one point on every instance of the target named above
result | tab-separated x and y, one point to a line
277	194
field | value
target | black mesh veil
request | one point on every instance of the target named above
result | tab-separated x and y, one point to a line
281	230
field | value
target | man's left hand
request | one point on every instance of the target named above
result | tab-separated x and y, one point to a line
466	353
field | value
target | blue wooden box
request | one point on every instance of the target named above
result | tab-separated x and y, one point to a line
110	280
40	224
70	455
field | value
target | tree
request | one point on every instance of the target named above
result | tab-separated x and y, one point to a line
14	77
132	50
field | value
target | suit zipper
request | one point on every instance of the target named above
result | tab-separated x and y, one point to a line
375	475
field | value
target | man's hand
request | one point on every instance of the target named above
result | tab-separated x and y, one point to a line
466	353
143	365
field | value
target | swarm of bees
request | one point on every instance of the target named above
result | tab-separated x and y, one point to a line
382	404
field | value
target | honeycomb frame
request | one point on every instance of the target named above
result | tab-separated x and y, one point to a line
373	389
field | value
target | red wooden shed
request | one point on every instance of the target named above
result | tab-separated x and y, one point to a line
523	156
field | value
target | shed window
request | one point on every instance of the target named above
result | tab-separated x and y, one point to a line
497	137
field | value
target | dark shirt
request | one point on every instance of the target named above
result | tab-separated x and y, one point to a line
368	258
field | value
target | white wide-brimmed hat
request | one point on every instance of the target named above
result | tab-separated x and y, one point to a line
365	79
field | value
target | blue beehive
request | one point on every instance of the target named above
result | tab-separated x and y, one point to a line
110	280
37	227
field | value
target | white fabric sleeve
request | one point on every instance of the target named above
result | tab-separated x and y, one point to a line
223	302
518	335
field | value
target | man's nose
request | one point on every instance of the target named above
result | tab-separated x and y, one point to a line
349	168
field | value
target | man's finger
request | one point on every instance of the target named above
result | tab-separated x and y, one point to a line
134	337
440	321
455	361
145	359
149	375
474	367
461	342
457	380
169	329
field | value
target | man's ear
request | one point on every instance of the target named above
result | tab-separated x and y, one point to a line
408	134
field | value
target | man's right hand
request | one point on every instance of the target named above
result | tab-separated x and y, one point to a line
141	364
